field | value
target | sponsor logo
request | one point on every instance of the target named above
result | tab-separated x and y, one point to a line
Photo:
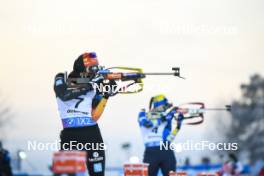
75	111
58	82
95	154
98	167
96	157
77	121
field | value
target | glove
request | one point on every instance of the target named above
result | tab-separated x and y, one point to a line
164	116
111	85
98	79
169	115
112	91
147	124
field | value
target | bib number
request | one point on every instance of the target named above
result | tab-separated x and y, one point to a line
155	130
78	102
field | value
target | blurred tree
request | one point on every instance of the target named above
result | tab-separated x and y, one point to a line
247	121
126	147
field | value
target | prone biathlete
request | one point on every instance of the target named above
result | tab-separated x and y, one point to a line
157	129
79	109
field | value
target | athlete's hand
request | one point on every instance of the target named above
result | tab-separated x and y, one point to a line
164	116
147	124
169	115
98	79
112	90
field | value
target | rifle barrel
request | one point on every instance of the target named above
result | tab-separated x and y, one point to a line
215	109
154	73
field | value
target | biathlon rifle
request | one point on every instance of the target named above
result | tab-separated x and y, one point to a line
134	75
193	112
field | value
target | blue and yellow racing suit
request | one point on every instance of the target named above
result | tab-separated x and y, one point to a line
157	128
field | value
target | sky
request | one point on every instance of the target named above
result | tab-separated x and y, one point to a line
218	44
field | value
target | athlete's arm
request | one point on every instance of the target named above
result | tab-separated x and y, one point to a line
169	116
99	103
65	94
100	100
143	120
175	131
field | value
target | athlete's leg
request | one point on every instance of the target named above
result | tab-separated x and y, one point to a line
90	138
96	162
151	157
96	154
168	162
66	136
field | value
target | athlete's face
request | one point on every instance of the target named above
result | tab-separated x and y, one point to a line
91	71
160	108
